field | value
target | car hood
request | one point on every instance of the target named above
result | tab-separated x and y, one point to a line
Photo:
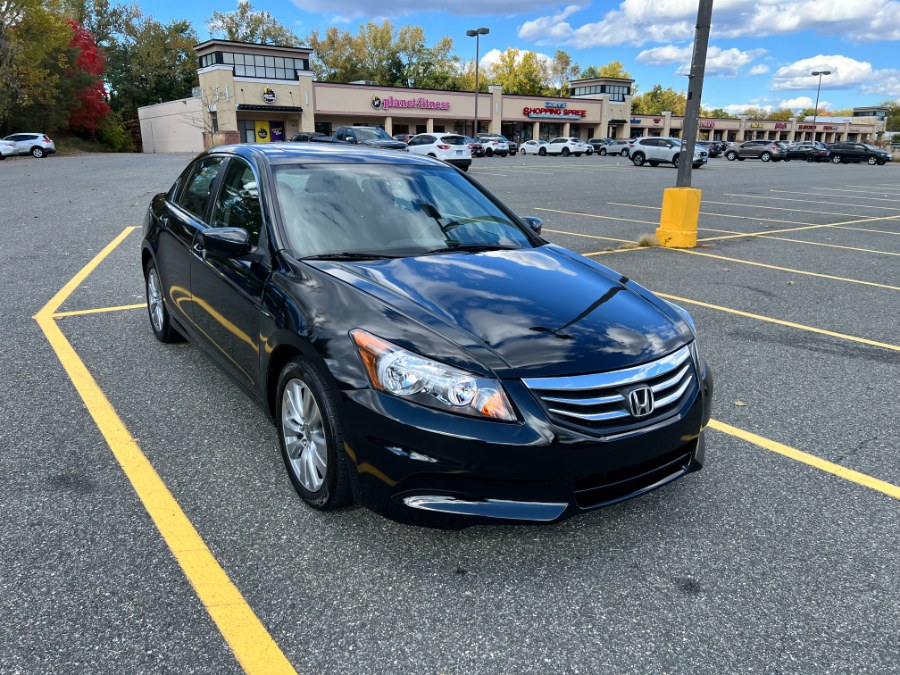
542	311
393	145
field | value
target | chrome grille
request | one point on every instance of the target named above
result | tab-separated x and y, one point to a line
599	401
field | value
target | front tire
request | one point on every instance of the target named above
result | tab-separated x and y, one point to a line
653	162
38	153
602	152
488	153
675	160
160	321
836	159
624	154
872	161
310	438
731	156
565	152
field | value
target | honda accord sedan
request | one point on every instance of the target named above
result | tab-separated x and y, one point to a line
419	347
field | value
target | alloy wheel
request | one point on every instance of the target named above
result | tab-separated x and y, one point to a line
154	300
303	432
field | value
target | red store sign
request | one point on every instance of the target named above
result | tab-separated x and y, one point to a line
807	126
707	124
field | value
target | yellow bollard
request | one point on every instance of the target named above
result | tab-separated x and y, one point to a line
678	221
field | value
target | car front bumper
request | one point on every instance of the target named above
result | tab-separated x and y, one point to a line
422	466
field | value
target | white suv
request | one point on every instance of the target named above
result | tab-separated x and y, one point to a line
452	148
32	143
566	146
656	150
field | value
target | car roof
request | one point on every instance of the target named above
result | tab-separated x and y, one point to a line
303	153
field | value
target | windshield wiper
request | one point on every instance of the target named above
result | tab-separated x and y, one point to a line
471	248
348	255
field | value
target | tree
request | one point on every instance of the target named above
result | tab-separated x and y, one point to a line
719	113
658	100
248	25
561	70
756	113
90	107
893	116
422	66
783	115
611	69
519	73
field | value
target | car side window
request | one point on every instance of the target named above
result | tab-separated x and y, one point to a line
237	204
194	198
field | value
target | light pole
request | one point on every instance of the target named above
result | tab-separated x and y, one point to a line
820	73
477	33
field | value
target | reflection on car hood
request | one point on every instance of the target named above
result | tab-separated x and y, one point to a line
384	143
540	310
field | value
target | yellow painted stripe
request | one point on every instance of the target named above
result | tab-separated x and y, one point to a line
864	229
820	203
788	324
99	310
811	460
594	215
826	194
784	269
778	208
820	243
719	215
590	236
248	639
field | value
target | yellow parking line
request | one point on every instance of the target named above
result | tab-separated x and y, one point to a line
816	194
720	215
253	647
810	201
788	324
819	243
591	215
590	236
779	208
99	310
811	460
864	229
763	233
784	269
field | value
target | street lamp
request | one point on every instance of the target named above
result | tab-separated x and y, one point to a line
820	73
477	33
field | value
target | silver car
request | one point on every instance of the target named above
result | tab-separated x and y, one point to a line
656	150
767	151
32	143
7	149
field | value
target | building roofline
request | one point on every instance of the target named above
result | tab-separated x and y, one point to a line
250	46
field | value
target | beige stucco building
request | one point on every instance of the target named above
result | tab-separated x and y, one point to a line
260	93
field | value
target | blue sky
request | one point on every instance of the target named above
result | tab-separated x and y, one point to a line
761	51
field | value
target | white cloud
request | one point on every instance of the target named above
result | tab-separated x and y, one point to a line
719	62
885	83
759	69
640	21
845	73
738	108
801	102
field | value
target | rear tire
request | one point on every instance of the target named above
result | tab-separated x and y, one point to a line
542	152
766	157
38	153
310	438
675	160
872	161
836	159
488	153
638	159
624	154
565	152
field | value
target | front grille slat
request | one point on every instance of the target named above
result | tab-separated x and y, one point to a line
598	402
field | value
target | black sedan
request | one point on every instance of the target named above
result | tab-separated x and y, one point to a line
420	348
806	151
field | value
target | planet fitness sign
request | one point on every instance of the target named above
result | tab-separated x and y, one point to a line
421	103
554	113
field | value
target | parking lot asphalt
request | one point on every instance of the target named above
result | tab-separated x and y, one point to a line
779	557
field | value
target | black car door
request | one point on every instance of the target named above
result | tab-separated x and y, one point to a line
227	292
184	217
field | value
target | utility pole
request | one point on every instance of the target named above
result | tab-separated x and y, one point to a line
694	93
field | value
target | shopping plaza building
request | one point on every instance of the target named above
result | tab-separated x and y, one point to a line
250	93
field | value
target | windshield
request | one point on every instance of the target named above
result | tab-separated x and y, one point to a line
380	210
870	147
373	134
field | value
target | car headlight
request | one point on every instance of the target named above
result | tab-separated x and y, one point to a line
689	320
396	371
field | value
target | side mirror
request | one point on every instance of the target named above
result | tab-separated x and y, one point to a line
226	242
534	223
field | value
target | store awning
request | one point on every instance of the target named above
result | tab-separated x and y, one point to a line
246	107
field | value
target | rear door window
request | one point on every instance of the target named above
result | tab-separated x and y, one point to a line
238	202
195	195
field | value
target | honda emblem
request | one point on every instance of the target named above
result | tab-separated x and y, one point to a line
641	401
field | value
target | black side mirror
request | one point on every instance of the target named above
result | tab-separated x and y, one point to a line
534	223
226	242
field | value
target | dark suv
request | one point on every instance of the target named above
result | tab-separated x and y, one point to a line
372	136
842	153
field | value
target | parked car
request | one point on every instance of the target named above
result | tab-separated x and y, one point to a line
534	147
494	144
373	136
600	145
8	149
306	136
513	146
620	146
452	148
476	148
31	143
711	148
567	145
403	138
354	294
843	153
807	150
656	150
767	151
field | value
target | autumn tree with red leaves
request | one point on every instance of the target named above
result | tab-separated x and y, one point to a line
90	107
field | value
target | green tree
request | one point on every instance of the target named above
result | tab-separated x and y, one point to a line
434	67
377	54
658	100
334	55
783	115
519	73
719	113
893	116
611	69
248	25
756	113
560	71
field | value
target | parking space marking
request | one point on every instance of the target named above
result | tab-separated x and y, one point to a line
810	201
590	236
783	269
592	215
781	208
864	229
819	243
99	310
781	322
816	194
812	460
250	642
868	192
720	215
